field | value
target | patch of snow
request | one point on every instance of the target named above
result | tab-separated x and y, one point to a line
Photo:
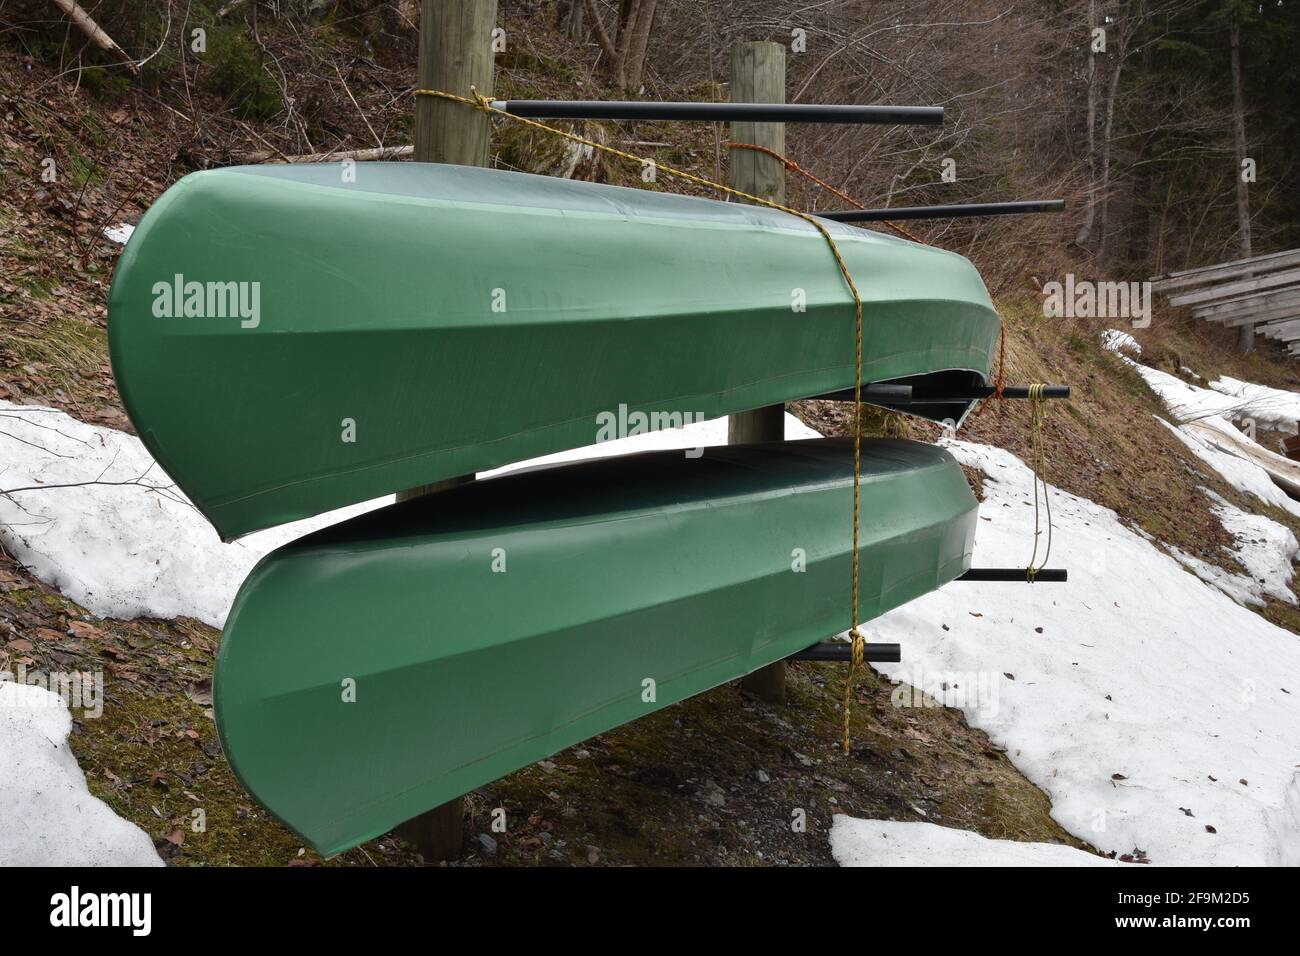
1206	429
893	843
1117	340
139	548
1187	402
1264	548
1274	407
696	435
1241	473
1146	703
1146	691
49	817
119	233
136	548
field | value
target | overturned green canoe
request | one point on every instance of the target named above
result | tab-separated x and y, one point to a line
287	341
486	627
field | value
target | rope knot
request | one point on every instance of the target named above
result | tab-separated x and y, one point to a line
858	642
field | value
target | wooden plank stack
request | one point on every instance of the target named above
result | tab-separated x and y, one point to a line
1263	291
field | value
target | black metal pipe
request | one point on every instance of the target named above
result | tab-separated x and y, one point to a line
955	211
722	112
1046	575
884	394
843	651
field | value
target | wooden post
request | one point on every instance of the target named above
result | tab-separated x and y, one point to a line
758	76
455	55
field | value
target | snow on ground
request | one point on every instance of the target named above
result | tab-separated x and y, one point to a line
1264	548
1187	402
1242	473
891	843
697	435
136	548
50	818
1146	703
1117	340
119	233
1274	407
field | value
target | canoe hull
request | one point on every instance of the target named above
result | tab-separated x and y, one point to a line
490	626
286	343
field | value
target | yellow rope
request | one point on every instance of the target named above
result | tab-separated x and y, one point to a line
484	103
1037	415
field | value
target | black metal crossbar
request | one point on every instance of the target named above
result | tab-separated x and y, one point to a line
722	112
953	211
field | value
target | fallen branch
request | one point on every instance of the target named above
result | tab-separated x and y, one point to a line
72	10
360	155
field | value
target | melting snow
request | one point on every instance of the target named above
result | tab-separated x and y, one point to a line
891	843
119	233
49	817
1274	407
1117	340
1147	704
131	545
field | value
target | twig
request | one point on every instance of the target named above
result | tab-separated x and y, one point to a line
357	105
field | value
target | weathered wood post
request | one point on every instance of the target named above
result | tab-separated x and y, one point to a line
455	55
758	76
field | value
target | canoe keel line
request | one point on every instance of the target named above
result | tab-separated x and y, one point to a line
393	662
424	321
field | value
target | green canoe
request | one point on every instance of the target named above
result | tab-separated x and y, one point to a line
484	628
287	342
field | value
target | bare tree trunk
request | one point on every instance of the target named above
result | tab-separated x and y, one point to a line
625	46
640	33
569	19
628	12
91	29
1102	197
613	57
1084	235
1247	340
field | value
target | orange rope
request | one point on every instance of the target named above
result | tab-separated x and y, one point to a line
997	382
794	167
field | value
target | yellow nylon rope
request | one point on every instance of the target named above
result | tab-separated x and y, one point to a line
484	103
1037	415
